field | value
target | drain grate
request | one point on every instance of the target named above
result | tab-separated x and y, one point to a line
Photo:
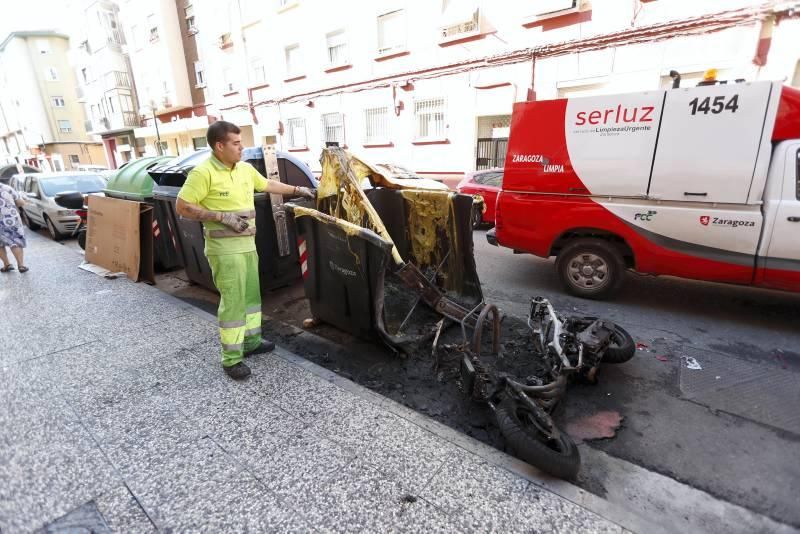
764	393
83	520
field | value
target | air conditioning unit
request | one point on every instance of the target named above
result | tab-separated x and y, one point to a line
469	26
225	41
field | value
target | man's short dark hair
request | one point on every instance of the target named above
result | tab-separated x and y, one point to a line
218	132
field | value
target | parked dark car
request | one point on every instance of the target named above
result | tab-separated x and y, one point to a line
487	184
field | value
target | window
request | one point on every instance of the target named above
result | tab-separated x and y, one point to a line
429	118
391	31
153	25
111	107
258	71
227	78
296	133
64	126
376	125
199	74
292	53
43	46
85	75
163	148
494	179
199	142
51	74
548	7
188	13
58	101
337	47
74	159
125	103
333	128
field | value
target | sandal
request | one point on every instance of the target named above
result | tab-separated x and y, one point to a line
8	269
23	269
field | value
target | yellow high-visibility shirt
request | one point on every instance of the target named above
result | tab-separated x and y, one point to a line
216	187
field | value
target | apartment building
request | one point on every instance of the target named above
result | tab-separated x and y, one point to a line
41	119
431	85
105	81
167	71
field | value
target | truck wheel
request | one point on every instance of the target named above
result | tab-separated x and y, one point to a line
591	268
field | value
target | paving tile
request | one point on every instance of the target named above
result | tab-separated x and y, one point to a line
297	467
57	333
306	395
422	516
137	428
484	496
357	499
353	424
541	511
42	481
122	511
197	486
409	454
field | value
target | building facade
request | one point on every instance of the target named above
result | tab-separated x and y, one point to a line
431	85
105	82
42	122
168	74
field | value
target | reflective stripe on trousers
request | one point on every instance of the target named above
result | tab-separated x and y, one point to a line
239	312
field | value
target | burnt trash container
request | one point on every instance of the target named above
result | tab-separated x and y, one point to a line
133	182
350	277
279	263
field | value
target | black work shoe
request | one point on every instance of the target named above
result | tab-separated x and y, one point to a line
263	348
238	372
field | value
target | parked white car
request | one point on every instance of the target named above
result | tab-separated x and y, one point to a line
41	209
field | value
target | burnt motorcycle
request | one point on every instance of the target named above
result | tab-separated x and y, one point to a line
567	348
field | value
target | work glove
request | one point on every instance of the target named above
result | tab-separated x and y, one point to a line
237	223
306	192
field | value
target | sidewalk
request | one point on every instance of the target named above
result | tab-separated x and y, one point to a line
115	416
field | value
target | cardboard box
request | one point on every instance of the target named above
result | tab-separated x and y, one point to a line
120	237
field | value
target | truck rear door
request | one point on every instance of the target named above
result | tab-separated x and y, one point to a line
782	262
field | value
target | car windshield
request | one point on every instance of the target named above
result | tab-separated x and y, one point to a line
85	183
492	178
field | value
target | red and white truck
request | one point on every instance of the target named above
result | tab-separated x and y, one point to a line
696	182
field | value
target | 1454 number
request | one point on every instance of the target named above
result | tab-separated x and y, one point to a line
715	105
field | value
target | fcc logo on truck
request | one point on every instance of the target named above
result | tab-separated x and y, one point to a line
704	220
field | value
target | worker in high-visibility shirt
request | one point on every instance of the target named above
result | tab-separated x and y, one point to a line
219	192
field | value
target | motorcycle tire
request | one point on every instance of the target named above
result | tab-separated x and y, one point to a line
82	240
622	347
559	458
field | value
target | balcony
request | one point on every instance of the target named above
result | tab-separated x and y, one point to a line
80	93
116	80
115	122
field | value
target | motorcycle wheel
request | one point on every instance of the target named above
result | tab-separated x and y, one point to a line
82	239
559	457
622	347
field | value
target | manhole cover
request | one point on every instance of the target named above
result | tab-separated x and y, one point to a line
84	520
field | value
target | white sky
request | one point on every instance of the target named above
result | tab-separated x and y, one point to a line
17	15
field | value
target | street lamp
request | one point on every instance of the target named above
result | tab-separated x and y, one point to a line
155	123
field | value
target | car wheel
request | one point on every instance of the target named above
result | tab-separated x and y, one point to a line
28	222
591	268
54	233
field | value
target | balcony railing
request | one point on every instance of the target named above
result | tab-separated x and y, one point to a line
117	80
130	119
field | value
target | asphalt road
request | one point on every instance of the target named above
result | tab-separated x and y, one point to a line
732	428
